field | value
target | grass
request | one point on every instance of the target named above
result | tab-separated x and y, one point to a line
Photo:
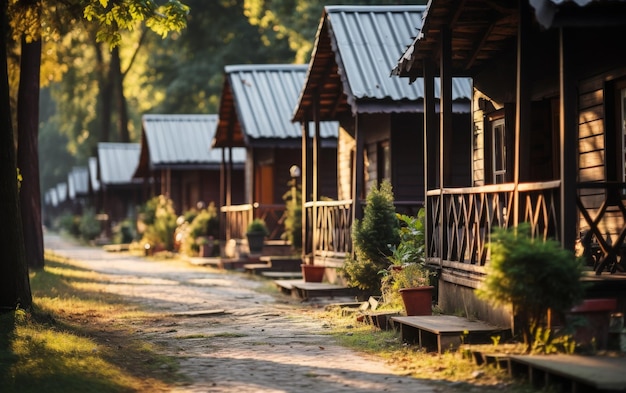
454	371
76	339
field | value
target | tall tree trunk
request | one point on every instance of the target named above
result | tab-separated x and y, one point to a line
28	152
14	284
120	100
104	98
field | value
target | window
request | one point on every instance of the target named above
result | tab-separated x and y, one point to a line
498	151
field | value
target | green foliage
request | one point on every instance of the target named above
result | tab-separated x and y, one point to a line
204	224
124	232
89	226
69	223
532	276
124	15
293	217
258	226
412	244
159	219
371	239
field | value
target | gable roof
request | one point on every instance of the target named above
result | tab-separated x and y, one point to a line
180	142
78	182
483	29
256	106
355	49
117	162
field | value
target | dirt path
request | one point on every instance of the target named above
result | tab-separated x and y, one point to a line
260	343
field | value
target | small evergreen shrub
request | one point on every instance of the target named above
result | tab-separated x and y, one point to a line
89	226
371	238
159	219
532	276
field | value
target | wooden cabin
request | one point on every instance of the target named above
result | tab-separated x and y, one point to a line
255	112
349	82
547	140
120	193
178	161
78	190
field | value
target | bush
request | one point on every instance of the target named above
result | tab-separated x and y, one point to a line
89	226
124	232
371	239
532	276
293	218
159	219
205	223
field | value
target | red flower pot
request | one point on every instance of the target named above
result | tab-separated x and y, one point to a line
418	301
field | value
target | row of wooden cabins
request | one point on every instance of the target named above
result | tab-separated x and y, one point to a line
487	114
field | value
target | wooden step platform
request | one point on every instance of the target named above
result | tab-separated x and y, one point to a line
443	332
574	373
282	275
283	263
306	290
256	268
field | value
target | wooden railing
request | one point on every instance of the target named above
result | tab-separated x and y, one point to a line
460	220
329	235
604	226
237	217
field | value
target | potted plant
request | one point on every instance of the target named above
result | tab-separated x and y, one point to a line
407	281
256	234
206	246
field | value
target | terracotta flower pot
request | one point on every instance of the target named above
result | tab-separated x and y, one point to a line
418	301
312	273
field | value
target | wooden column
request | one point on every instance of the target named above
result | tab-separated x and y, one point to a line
568	135
522	107
445	131
430	144
357	172
306	177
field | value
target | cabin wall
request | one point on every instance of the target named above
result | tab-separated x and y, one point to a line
346	146
407	157
327	173
374	128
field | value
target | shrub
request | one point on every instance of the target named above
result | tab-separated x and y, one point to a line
124	232
257	226
160	222
371	239
89	226
293	218
532	276
205	223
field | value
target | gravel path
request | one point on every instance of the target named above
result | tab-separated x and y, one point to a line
260	343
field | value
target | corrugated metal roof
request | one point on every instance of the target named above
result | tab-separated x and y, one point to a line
62	192
78	181
175	140
93	173
356	49
117	162
262	97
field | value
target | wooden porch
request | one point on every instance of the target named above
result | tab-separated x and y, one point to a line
461	220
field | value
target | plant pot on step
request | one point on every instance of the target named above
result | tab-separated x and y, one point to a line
312	273
418	301
255	242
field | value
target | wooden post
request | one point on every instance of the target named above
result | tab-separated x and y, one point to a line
568	134
430	145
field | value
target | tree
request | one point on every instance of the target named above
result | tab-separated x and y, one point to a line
14	284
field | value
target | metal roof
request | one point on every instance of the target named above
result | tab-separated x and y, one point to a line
93	173
484	29
78	181
356	47
256	106
117	162
61	192
182	141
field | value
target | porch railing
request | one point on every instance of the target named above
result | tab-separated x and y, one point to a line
237	217
329	235
460	220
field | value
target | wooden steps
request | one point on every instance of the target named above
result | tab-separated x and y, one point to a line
273	263
444	332
306	290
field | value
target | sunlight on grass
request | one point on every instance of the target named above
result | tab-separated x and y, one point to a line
71	340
